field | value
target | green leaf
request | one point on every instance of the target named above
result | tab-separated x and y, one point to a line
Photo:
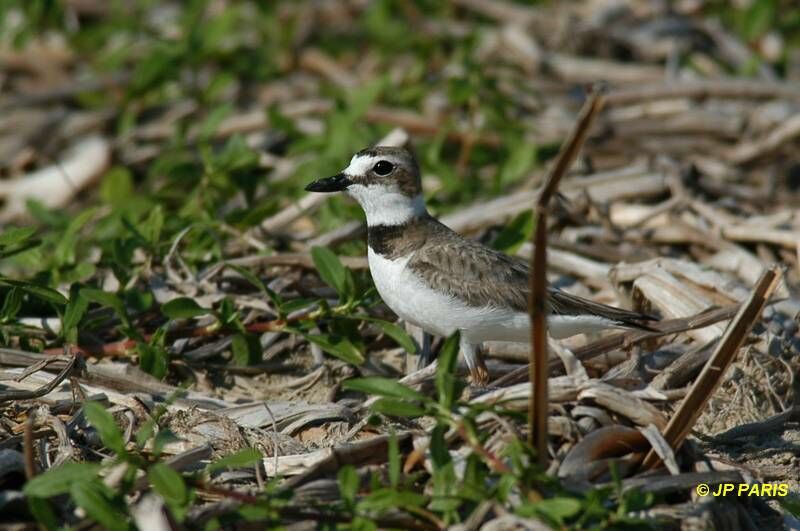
338	347
164	437
246	349
66	248
168	483
138	301
8	252
236	155
145	431
397	408
183	308
153	359
117	187
138	238
330	268
80	272
241	459
394	460
349	290
105	425
94	499
58	480
460	90
297	304
278	121
156	67
758	19
385	387
395	332
387	499
109	300
255	281
362	98
76	309
43	512
440	456
516	233
555	509
16	235
791	504
35	290
151	227
348	483
519	161
11	305
445	484
212	122
228	317
446	383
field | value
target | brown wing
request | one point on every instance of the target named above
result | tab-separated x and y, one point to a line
482	276
470	271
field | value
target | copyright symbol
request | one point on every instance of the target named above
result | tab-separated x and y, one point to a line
702	489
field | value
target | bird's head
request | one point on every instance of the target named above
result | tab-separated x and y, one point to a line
384	180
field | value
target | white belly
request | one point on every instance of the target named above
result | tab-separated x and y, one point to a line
436	313
440	314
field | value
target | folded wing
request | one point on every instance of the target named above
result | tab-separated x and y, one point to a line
481	276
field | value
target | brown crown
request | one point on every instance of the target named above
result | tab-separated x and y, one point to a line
405	175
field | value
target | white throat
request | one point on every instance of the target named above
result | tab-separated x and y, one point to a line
385	206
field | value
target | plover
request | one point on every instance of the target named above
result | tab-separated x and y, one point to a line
433	277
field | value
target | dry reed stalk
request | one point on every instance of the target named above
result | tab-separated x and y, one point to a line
716	367
537	304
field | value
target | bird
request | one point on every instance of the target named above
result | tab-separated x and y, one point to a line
443	282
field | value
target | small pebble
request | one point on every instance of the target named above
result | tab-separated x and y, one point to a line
795	346
778	317
790	327
776	328
775	347
768	313
587	424
759	328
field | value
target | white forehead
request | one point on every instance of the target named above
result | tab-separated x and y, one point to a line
361	163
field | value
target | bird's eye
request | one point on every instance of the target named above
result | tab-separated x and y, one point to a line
383	167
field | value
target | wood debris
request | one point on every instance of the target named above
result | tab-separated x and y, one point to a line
684	203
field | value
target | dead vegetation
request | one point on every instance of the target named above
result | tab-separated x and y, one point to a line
158	259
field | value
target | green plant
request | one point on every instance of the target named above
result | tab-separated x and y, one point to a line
84	485
454	489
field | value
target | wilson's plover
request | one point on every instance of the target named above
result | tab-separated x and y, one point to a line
435	278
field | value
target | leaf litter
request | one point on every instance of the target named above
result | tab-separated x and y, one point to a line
188	340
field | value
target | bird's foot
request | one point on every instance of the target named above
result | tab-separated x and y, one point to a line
479	375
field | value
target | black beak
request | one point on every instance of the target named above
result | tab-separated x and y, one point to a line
337	183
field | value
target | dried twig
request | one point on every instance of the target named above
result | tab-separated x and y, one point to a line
774	423
27	445
537	304
17	394
711	376
716	88
748	150
359	453
56	185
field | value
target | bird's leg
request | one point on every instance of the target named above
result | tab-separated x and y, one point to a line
425	354
478	373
